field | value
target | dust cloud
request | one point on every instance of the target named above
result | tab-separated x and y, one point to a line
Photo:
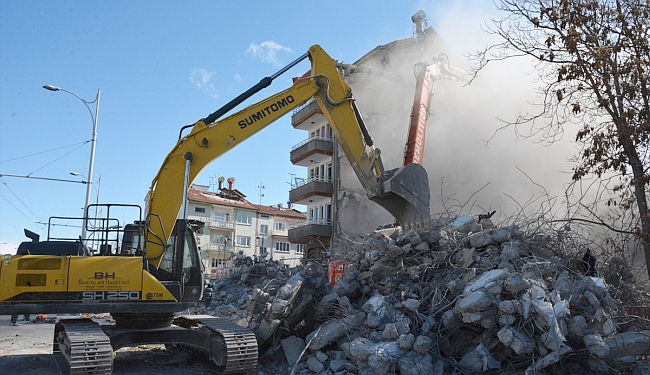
467	174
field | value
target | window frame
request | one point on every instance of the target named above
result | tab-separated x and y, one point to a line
246	240
280	245
248	219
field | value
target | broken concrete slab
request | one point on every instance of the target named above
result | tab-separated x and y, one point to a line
292	347
332	331
628	343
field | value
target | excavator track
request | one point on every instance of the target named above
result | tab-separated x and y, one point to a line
233	349
85	347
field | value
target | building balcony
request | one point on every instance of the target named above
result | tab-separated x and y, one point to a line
312	150
278	233
222	224
310	110
302	190
313	229
218	247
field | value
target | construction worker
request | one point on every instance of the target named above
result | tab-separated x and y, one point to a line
14	318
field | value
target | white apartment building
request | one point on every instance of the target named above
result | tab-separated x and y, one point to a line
233	225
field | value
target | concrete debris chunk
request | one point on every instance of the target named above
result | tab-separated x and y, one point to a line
488	361
480	239
628	343
510	250
596	345
415	364
422	344
490	281
337	365
595	285
331	331
379	364
315	365
411	304
549	359
406	341
519	342
506	234
390	332
292	347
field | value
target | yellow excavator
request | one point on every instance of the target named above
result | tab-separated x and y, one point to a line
155	273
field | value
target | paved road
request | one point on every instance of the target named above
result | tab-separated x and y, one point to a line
27	349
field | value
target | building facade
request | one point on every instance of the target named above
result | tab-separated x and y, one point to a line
233	225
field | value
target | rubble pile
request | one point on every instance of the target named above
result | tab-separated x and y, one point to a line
458	299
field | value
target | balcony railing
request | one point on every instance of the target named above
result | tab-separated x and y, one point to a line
303	112
298	109
219	247
318	222
222	224
304	142
298	182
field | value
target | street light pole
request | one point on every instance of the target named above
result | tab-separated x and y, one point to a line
97	190
93	141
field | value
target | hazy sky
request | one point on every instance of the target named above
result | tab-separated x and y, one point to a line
161	65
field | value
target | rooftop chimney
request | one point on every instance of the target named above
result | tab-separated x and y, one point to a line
418	19
231	181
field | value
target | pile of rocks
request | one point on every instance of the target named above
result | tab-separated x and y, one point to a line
462	298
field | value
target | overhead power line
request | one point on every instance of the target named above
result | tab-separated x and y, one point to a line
43	152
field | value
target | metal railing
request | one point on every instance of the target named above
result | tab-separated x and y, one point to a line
313	222
298	182
219	246
222	224
298	109
305	141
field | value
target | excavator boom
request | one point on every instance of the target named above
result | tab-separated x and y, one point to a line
404	193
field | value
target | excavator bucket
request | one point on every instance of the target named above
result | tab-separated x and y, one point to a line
404	192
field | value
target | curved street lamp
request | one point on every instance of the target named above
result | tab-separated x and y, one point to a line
93	141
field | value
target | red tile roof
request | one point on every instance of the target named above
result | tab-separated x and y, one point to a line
214	198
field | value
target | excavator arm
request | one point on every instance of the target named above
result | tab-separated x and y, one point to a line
404	193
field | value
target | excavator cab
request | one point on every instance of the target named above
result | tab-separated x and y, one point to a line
180	268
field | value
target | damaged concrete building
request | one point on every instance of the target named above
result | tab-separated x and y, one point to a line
383	84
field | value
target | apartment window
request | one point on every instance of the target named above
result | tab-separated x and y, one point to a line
279	226
300	248
218	263
244	241
219	239
199	209
264	229
244	219
221	216
282	246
